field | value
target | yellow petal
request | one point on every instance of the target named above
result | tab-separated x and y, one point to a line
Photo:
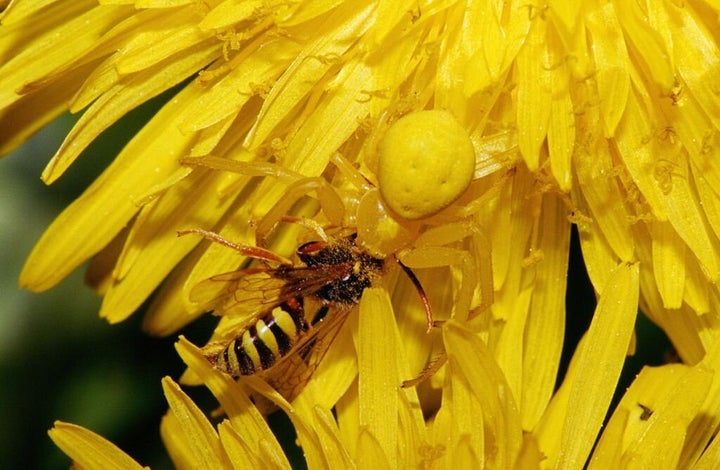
544	331
243	416
480	382
648	43
123	97
334	376
599	192
534	94
302	419
336	455
370	453
34	110
88	450
379	377
196	431
668	254
699	60
612	62
655	412
309	67
229	12
45	54
632	135
710	457
153	248
701	433
599	364
561	132
89	224
227	96
239	452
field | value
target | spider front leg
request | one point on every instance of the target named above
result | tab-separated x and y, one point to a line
330	203
298	187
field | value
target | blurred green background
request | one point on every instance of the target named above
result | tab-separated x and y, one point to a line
59	360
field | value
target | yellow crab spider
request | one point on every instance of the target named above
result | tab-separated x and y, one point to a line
378	229
426	161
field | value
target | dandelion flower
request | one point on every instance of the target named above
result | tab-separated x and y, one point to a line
599	114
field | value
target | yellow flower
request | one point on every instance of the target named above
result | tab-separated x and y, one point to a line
600	114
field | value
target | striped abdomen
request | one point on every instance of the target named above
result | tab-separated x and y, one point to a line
264	343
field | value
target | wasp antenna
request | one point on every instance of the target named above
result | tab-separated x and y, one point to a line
247	250
421	292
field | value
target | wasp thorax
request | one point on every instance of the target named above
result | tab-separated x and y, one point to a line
356	268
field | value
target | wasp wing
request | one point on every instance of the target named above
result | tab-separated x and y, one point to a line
247	292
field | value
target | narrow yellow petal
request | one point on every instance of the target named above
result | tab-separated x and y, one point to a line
599	190
544	331
20	120
379	377
603	353
198	433
20	10
239	452
561	131
177	448
228	94
347	415
241	412
123	97
309	68
612	62
697	289
632	135
691	126
302	419
153	248
88	450
609	451
229	12
94	225
501	226
170	37
710	457
534	93
469	426
661	444
648	43
653	418
333	377
699	60
701	433
687	218
162	317
709	198
477	370
479	68
45	54
370	453
412	436
336	455
668	255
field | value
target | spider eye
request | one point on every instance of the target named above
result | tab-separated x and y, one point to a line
426	160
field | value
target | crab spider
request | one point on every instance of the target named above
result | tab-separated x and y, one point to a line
413	244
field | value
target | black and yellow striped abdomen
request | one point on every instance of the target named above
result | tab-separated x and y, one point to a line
261	345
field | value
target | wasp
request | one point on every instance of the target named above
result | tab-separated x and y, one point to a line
290	313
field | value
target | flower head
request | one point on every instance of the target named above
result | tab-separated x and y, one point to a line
601	114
